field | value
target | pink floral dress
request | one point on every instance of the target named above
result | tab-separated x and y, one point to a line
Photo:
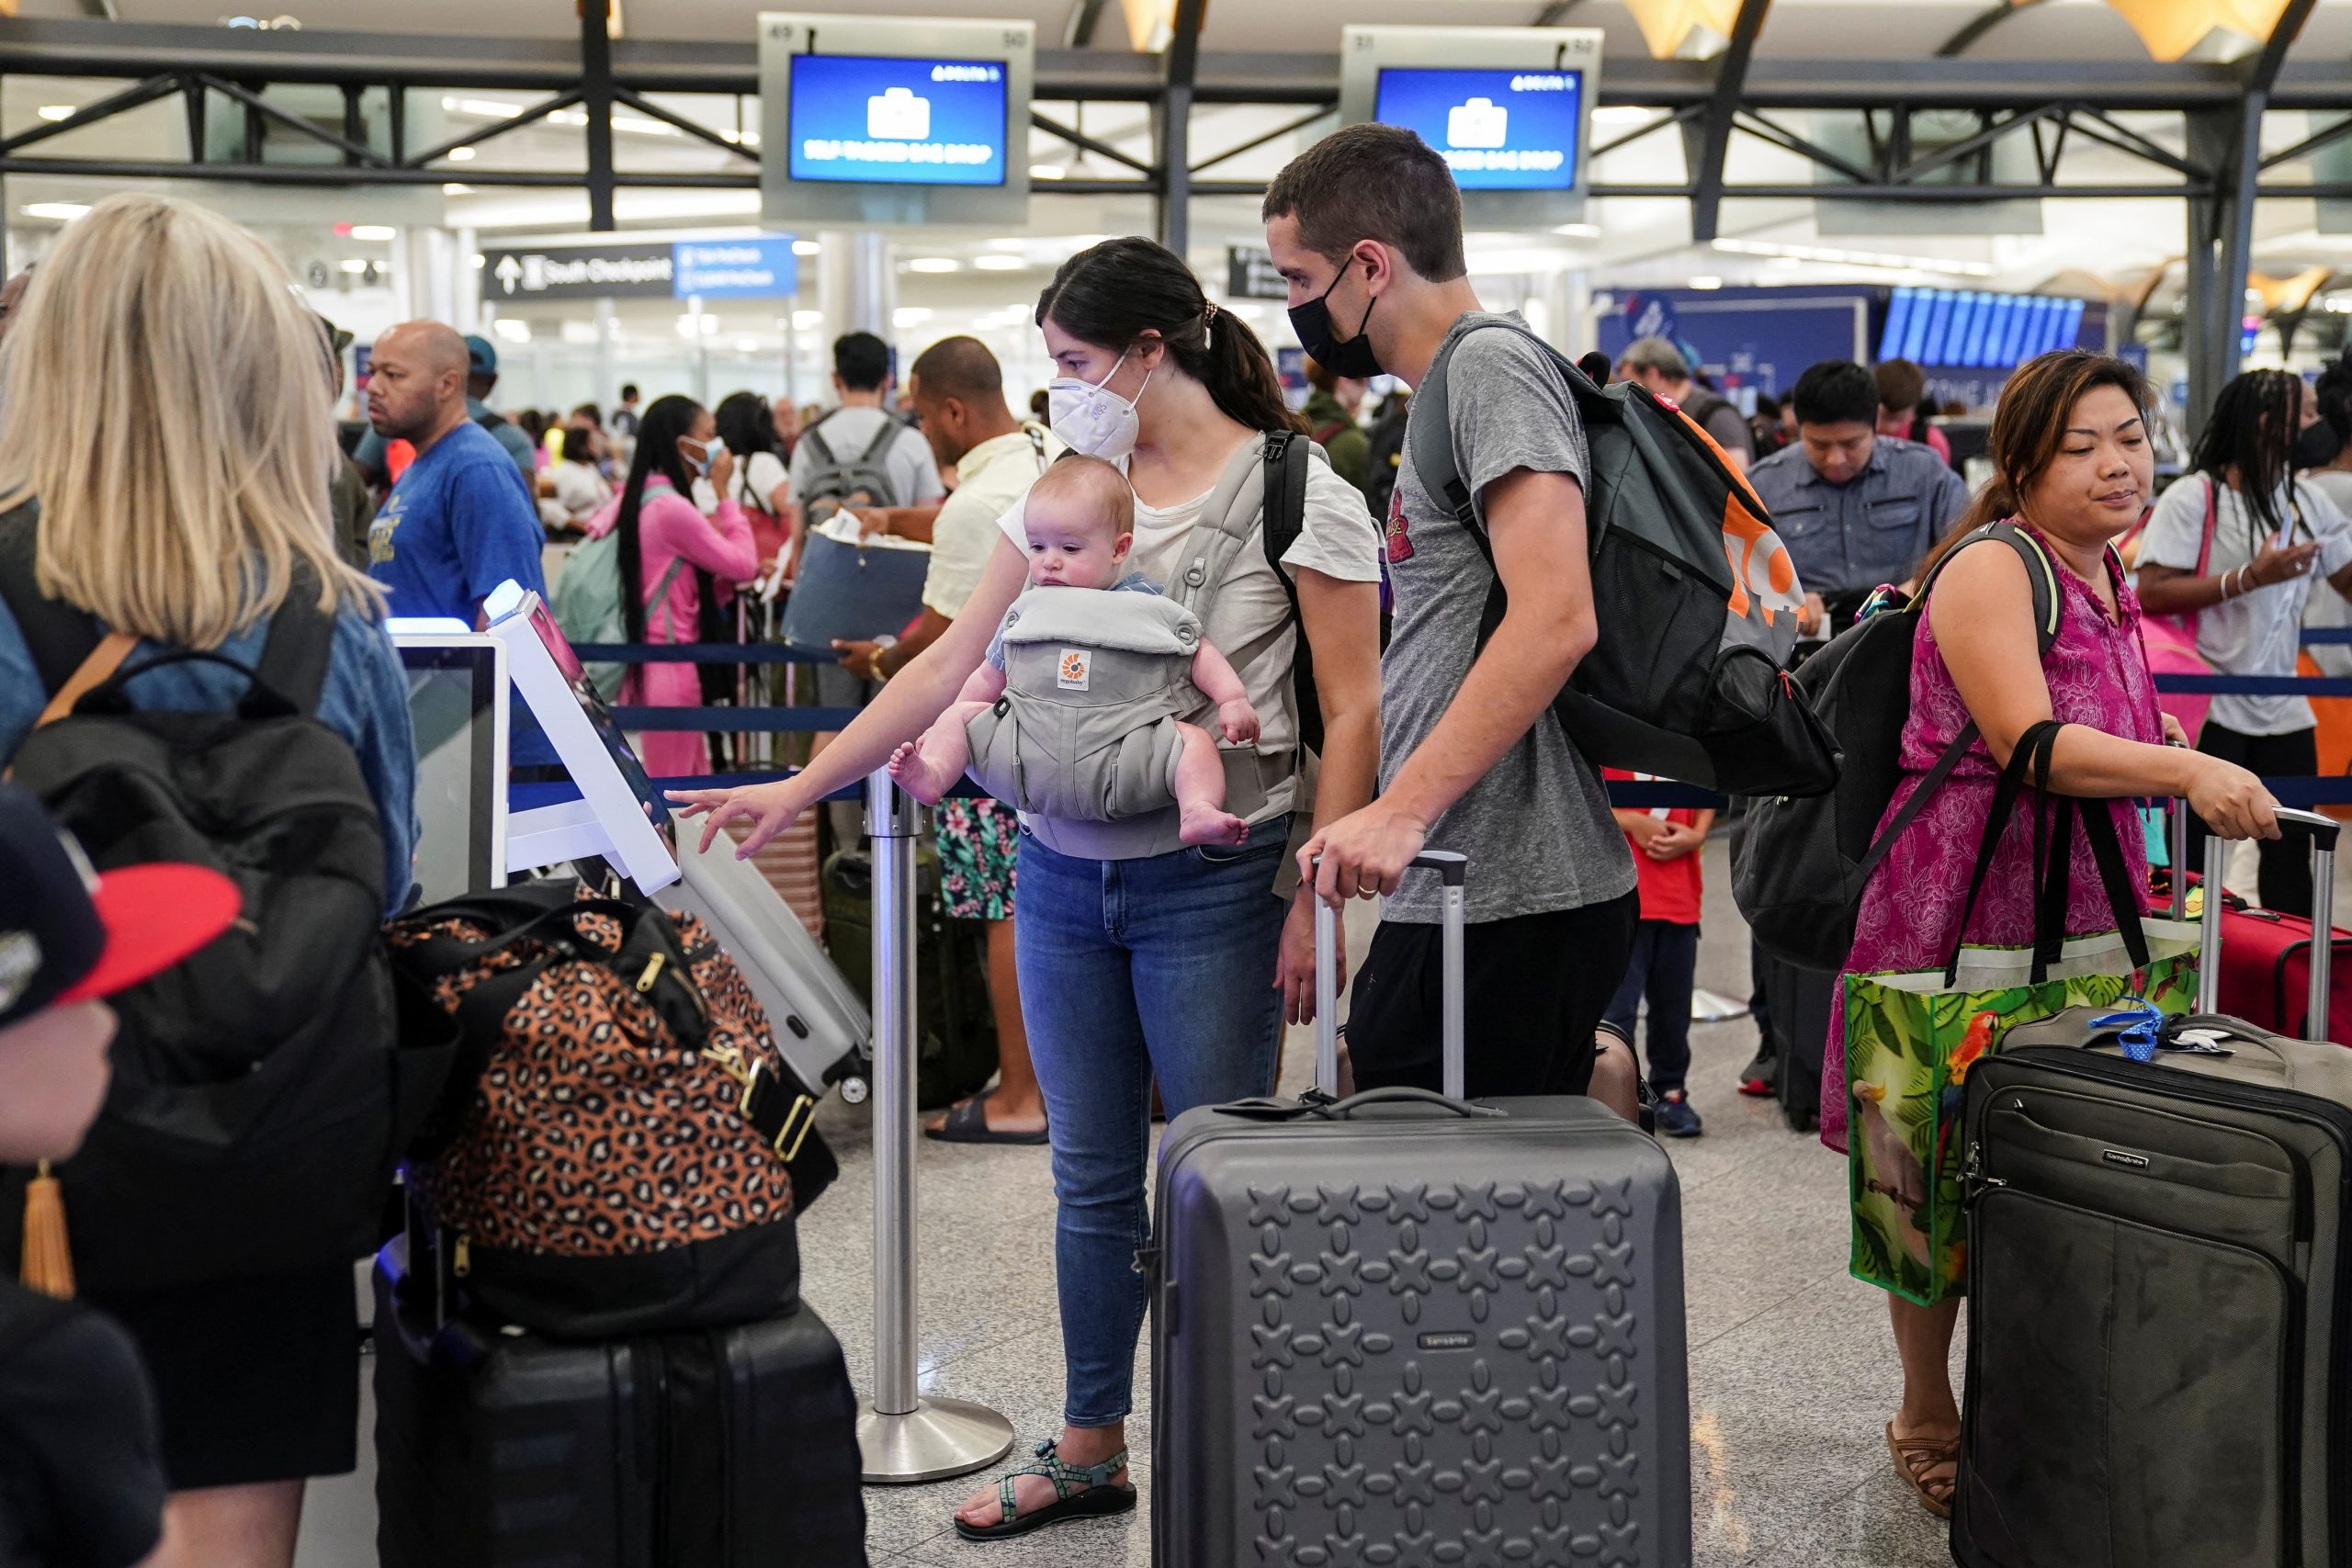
2098	676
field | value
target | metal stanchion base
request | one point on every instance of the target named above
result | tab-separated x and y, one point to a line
1713	1007
938	1438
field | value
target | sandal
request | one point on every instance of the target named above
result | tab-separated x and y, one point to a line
1914	1458
1099	1499
968	1124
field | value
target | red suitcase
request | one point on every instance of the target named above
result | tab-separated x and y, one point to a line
2265	974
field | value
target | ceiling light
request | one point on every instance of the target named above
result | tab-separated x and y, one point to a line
1045	171
1579	231
487	108
355	266
1624	114
806	247
910	316
1706	281
62	211
583	334
747	346
455	189
374	233
1880	260
1005	243
513	329
462	155
480	260
808	321
59	111
999	263
934	263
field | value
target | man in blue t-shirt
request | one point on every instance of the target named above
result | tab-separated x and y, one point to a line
462	519
374	452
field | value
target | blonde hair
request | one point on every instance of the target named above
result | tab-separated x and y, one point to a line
167	404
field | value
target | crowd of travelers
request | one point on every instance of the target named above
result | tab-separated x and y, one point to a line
1155	958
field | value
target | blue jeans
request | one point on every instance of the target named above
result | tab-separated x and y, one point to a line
1131	970
1664	969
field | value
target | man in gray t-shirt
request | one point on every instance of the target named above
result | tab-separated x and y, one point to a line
1367	227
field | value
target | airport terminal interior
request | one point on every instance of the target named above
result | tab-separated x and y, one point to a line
1728	220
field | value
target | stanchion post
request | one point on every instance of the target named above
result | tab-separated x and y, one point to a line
902	1435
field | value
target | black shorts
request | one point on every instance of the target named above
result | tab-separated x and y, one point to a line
1537	987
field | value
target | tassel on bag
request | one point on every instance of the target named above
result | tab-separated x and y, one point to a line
49	1258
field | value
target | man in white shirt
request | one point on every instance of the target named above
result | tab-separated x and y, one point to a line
862	380
957	391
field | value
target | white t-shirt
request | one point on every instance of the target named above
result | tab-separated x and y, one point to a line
993	476
2258	632
1338	539
580	489
847	432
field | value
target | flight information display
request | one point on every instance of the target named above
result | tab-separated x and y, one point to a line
1498	130
1975	330
902	121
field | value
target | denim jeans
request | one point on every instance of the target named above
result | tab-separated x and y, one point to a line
1664	969
1134	969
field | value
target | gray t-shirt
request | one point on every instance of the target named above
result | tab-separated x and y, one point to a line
847	432
1537	828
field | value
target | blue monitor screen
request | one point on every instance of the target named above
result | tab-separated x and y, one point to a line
1498	130
867	118
1898	321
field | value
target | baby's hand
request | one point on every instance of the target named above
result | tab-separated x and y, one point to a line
1238	720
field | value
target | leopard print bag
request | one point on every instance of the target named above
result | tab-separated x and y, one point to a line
623	1148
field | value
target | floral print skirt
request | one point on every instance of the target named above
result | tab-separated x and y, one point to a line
980	842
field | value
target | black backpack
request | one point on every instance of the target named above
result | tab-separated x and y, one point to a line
255	1110
1801	864
1285	510
1697	598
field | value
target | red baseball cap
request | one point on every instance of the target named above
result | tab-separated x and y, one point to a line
68	934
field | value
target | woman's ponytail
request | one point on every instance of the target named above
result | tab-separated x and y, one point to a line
1114	293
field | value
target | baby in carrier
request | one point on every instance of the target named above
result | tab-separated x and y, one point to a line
1074	713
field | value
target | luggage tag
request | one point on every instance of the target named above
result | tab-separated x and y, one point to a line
2140	1029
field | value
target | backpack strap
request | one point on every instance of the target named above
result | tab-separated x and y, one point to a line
294	659
879	448
1430	434
1227	517
1286	519
58	636
824	451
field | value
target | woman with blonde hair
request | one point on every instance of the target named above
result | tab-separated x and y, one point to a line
165	463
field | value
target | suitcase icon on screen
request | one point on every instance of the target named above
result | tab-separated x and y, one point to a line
898	116
1477	123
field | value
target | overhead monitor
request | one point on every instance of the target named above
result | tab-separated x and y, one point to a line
458	711
860	128
1509	108
620	816
1970	329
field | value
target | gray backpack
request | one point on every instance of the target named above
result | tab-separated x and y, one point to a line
1095	682
863	480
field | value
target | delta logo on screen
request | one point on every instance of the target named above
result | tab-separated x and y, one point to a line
1496	129
870	117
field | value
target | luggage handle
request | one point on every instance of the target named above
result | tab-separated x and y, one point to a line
1323	1110
2321	830
1453	869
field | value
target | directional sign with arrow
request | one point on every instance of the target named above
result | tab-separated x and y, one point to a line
600	272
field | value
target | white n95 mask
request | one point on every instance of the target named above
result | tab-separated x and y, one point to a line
1090	419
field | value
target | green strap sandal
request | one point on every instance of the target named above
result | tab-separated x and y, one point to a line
1081	1491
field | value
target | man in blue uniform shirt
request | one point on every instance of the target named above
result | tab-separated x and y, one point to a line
461	520
1855	508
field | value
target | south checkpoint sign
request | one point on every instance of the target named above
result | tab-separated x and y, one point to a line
610	272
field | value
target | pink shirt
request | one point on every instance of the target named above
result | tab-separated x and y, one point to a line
670	527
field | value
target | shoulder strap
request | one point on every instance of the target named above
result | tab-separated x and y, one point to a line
301	639
2212	516
59	636
1286	519
95	671
1036	444
824	451
880	445
1431	430
1231	511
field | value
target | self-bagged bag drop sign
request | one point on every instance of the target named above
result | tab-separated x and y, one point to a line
605	272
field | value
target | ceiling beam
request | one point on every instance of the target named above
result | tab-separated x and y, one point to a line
1709	142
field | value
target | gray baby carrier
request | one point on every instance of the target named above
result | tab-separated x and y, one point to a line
1094	684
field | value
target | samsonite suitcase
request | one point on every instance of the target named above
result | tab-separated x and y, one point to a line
2159	1286
731	1447
1401	1330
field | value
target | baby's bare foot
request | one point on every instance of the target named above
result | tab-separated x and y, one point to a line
916	776
1211	825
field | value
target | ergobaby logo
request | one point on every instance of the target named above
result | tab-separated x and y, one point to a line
1072	674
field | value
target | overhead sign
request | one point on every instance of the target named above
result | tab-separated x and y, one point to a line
1250	275
604	272
900	121
763	268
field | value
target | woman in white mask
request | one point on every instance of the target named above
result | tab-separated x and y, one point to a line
666	544
1187	973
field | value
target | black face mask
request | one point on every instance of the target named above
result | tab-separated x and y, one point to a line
1312	322
2316	445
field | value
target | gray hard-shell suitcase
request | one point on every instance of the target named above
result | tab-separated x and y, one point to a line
2158	1289
1400	1329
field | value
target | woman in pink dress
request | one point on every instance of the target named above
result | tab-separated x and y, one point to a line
2074	467
677	443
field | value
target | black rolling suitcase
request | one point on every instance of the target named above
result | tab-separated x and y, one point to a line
731	1447
1799	1001
1402	1330
2160	1291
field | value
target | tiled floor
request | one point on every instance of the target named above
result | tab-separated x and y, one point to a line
1792	1367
